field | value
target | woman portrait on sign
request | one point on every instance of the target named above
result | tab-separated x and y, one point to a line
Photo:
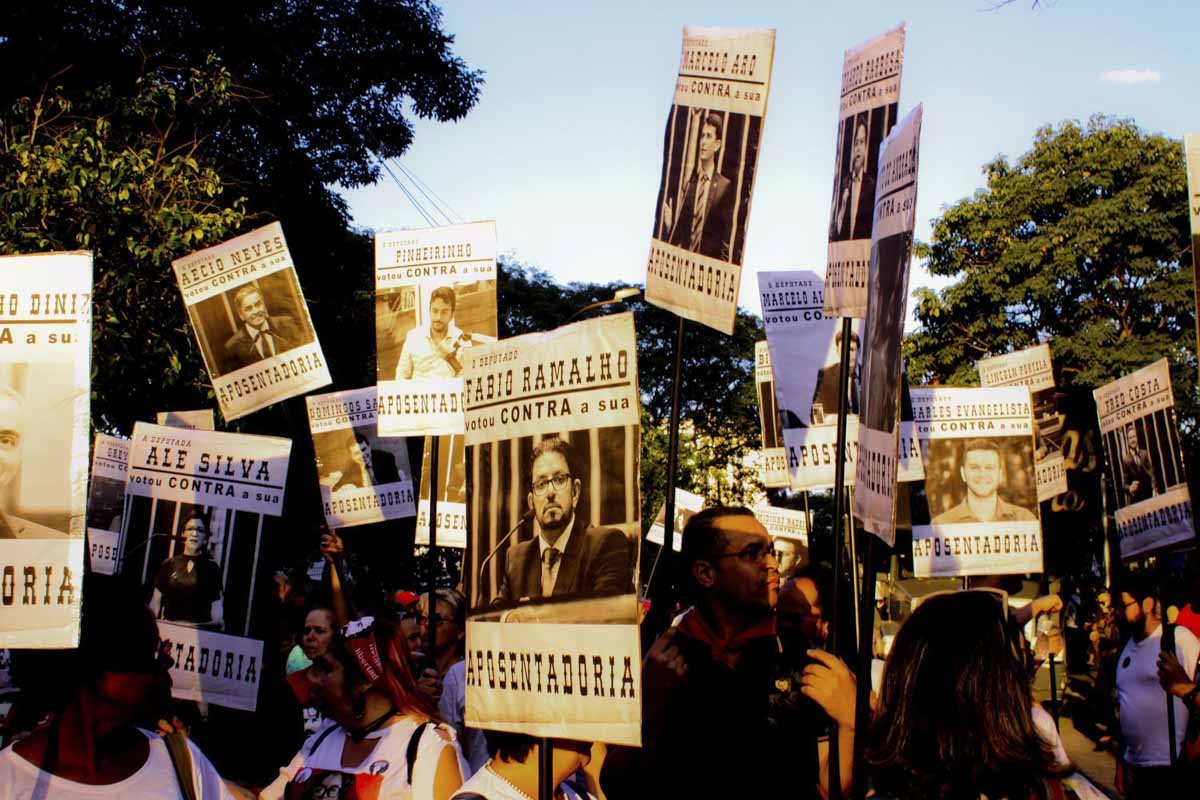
187	588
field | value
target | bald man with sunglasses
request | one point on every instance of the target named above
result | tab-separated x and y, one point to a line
707	682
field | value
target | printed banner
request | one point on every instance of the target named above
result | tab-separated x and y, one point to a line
234	470
212	667
710	153
1032	367
363	477
552	438
45	374
196	521
435	298
451	493
1145	462
869	101
800	336
789	534
887	295
980	483
251	321
523	678
199	420
106	502
773	472
686	505
1191	147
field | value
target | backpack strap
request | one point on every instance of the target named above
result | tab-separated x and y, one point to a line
322	736
414	741
181	760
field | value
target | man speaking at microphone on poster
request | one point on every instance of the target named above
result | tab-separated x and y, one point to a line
431	350
563	558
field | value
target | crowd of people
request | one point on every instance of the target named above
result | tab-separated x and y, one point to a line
742	696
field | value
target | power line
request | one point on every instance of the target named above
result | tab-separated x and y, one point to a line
422	187
428	219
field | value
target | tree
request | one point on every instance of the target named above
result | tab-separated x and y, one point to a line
310	94
1083	242
118	185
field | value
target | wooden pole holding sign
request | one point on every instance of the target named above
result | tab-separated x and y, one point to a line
431	556
663	591
840	507
866	646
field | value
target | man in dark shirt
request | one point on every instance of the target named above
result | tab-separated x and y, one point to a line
707	682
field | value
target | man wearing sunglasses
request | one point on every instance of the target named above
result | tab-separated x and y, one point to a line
707	682
563	558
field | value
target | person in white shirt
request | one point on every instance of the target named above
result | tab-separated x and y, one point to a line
384	738
96	745
512	772
1145	768
431	351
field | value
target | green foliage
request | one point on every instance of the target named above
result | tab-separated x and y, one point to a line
1082	242
146	130
719	405
119	185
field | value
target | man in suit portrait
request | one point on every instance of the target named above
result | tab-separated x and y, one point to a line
366	467
825	393
564	557
1137	472
705	219
855	201
982	470
12	433
259	335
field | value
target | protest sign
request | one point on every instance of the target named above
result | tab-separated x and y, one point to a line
200	419
710	153
212	667
251	321
1032	367
1145	463
869	100
686	505
800	336
553	436
435	298
980	483
1191	147
887	294
783	523
194	531
363	477
451	493
45	372
788	529
773	471
106	502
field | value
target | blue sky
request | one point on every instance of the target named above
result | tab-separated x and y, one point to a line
564	148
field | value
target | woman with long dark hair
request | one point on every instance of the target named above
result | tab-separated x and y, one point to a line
954	717
384	737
